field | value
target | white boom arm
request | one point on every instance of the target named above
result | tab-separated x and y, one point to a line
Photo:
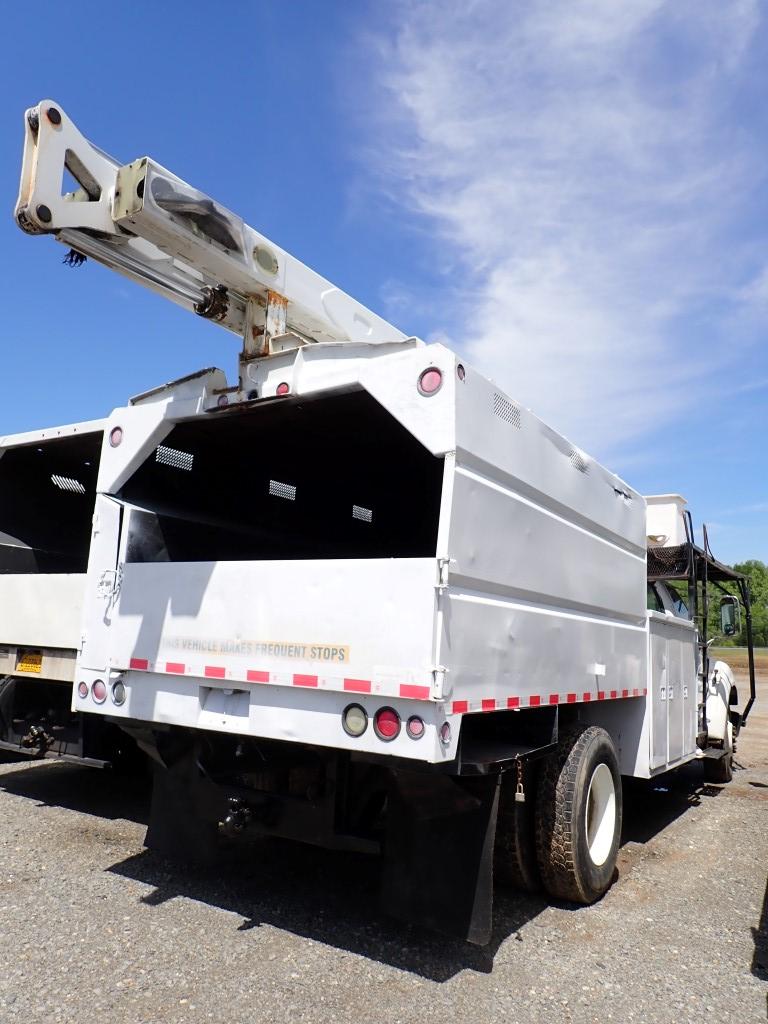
146	223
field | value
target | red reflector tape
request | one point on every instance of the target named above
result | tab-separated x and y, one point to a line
215	672
416	692
554	698
174	666
513	702
140	663
614	694
357	685
601	694
534	701
305	680
625	693
635	693
587	696
488	705
460	707
570	698
645	692
257	677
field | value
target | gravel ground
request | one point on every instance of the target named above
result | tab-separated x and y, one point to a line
94	928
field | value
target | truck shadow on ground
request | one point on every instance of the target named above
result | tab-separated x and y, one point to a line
328	896
85	790
650	806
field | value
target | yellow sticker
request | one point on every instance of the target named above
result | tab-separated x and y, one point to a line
30	661
299	650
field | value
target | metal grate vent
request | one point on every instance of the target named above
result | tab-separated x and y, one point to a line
66	483
364	514
174	458
505	410
576	458
280	490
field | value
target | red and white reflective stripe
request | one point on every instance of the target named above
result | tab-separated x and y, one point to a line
380	688
236	673
535	700
301	680
357	685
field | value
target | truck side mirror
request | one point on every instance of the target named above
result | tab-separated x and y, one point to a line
730	616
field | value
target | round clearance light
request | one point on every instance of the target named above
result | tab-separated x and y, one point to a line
266	259
118	693
82	689
430	381
461	373
415	727
445	734
386	724
283	389
99	691
354	719
222	401
116	436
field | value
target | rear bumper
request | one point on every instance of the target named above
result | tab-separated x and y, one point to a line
294	713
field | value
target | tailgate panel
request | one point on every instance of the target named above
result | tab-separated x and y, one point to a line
365	625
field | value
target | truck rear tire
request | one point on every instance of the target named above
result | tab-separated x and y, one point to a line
578	815
515	854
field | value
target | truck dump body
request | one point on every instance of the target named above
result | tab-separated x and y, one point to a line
47	494
359	537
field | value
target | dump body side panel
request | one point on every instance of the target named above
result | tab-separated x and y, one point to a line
545	600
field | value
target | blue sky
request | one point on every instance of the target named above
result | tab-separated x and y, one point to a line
571	192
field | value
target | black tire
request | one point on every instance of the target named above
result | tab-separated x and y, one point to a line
515	852
565	798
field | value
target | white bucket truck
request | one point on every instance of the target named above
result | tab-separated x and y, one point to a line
361	597
47	493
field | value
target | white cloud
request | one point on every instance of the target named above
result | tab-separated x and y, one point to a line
577	162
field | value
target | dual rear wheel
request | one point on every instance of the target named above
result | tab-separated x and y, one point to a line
565	837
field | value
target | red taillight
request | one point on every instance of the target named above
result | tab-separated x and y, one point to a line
430	381
415	727
82	689
283	388
386	724
116	436
99	691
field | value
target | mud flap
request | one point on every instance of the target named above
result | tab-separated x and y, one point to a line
438	867
7	698
186	808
